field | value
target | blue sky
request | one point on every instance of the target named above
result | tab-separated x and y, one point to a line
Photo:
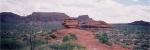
111	11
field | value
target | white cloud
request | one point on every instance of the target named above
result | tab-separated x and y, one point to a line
106	10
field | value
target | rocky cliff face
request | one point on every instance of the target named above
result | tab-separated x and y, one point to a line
86	22
8	17
84	17
52	17
47	16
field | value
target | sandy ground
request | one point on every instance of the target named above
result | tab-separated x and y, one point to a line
88	40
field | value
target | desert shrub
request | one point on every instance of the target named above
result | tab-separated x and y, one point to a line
69	37
38	42
102	37
9	44
66	46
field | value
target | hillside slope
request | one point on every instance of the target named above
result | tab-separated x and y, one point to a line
88	40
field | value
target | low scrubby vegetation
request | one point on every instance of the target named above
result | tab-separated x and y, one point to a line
69	37
23	36
67	46
17	36
67	43
103	37
10	44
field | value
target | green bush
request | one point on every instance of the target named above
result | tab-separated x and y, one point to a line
102	37
9	44
38	42
69	37
66	46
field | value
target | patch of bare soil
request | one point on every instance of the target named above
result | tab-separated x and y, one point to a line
88	40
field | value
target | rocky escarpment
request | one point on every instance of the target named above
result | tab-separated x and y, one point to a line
53	18
47	16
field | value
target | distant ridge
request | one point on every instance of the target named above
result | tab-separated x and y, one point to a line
47	16
141	22
51	17
9	17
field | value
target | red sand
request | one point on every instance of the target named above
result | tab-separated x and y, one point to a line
88	40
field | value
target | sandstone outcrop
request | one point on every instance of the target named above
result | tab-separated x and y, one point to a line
85	38
86	22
